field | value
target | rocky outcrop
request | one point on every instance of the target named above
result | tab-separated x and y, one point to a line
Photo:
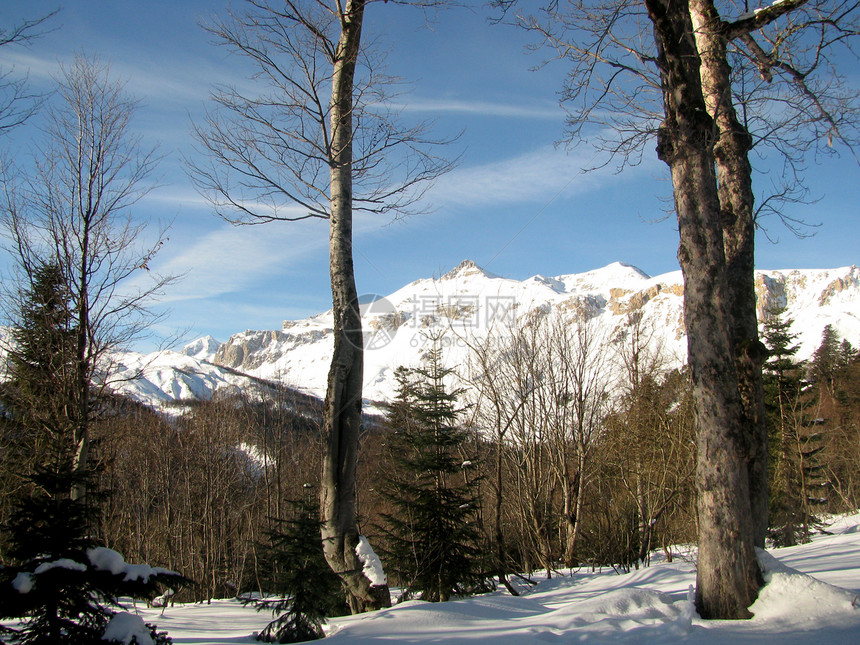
250	350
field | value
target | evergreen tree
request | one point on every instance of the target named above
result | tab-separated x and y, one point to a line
310	590
782	385
432	537
64	585
847	353
40	390
59	580
826	359
794	434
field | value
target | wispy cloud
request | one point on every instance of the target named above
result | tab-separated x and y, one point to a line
531	110
190	198
228	259
157	82
534	176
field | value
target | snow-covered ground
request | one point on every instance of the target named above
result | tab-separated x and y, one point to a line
811	597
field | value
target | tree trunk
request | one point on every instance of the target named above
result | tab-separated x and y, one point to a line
734	176
501	551
574	514
645	526
342	411
81	435
727	575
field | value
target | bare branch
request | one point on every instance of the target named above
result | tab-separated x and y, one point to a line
17	103
270	153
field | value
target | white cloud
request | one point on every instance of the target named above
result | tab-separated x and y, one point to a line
534	110
158	82
227	259
538	175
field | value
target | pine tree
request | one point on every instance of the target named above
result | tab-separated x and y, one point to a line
59	580
432	537
310	590
64	585
782	384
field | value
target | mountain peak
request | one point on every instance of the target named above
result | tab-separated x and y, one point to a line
621	269
467	268
203	348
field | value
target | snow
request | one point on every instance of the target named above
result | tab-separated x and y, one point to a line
256	455
124	627
24	581
808	599
468	304
203	349
167	377
105	559
371	565
62	563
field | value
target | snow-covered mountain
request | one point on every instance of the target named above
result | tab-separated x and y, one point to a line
203	349
469	303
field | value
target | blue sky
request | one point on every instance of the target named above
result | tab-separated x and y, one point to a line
517	204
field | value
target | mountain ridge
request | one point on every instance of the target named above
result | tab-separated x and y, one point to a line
469	301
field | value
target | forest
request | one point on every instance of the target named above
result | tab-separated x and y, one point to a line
558	467
533	457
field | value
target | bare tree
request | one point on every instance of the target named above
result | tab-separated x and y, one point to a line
317	142
799	37
575	397
616	65
649	439
17	103
73	210
728	577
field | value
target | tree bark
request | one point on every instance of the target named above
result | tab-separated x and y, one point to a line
342	411
727	575
734	177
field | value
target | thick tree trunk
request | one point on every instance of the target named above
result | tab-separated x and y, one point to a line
727	575
342	412
734	176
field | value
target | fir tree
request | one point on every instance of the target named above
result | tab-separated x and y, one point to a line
782	384
40	390
432	537
59	580
794	434
826	359
64	585
309	589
